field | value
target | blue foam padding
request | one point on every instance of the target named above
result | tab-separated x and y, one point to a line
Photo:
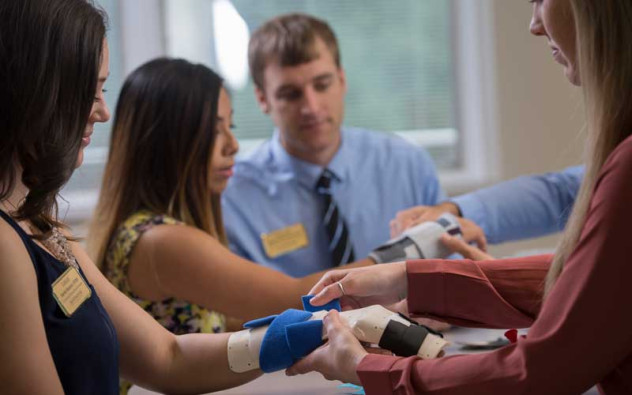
275	352
304	337
333	305
260	322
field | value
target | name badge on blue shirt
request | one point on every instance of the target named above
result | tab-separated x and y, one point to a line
285	240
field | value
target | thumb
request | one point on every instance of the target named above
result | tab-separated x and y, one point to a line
305	365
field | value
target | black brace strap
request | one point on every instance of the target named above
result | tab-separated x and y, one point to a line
413	322
402	340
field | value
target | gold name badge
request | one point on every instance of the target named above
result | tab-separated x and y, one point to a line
284	240
70	291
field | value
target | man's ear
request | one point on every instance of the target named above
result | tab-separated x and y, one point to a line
261	100
343	79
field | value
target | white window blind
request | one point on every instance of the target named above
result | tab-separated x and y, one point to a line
398	58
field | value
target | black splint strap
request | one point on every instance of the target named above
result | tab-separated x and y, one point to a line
402	340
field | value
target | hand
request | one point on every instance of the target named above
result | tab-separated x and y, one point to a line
379	284
473	233
461	247
416	215
405	219
339	358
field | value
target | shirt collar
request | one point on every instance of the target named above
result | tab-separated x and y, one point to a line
307	174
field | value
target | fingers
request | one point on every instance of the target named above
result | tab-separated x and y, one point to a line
475	236
394	228
327	279
305	365
461	247
473	233
416	215
481	241
405	219
332	321
332	324
329	293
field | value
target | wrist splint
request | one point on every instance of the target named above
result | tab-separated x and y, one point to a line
277	342
419	242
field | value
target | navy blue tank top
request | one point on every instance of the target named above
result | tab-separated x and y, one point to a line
84	346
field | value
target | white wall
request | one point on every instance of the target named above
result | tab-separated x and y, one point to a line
540	115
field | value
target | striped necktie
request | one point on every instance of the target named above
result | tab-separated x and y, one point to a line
337	231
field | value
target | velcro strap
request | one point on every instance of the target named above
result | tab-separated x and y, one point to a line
403	340
307	306
413	322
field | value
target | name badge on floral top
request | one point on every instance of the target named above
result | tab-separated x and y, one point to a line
284	240
70	291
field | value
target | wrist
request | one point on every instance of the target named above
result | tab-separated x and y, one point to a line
402	282
356	364
451	207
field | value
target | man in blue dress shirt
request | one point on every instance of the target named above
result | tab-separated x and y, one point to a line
527	206
273	210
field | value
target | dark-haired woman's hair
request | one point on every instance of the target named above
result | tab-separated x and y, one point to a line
160	151
50	55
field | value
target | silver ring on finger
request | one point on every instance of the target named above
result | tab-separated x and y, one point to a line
342	289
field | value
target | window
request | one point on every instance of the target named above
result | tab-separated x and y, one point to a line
398	59
423	69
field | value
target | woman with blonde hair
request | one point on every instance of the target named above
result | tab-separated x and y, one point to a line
566	299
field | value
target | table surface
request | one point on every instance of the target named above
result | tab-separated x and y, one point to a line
314	383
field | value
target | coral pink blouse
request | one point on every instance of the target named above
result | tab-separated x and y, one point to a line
580	336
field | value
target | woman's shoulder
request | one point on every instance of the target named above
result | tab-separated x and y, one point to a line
180	236
10	242
612	189
15	260
138	223
145	219
623	151
156	232
126	237
619	162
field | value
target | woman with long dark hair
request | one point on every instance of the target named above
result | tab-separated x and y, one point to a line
576	302
157	232
64	327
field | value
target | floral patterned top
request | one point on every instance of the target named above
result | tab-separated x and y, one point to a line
177	316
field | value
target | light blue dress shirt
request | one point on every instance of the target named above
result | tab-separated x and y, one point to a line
376	175
524	207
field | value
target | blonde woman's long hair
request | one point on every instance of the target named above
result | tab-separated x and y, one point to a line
604	39
160	152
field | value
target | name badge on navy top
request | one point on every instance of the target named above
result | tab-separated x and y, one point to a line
285	240
70	291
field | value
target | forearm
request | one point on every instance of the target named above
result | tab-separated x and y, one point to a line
525	207
198	363
497	294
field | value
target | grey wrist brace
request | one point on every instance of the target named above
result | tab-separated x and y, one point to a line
419	242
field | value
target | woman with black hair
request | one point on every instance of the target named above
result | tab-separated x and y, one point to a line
65	328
